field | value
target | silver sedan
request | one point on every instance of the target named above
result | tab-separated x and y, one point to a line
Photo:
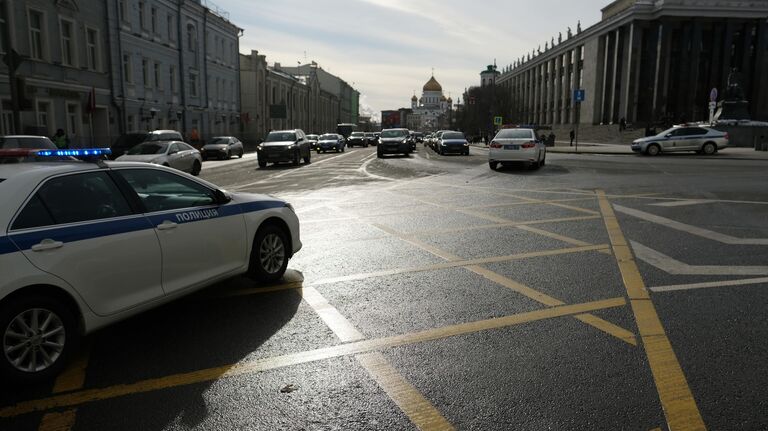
702	140
175	154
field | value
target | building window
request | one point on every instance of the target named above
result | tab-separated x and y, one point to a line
73	119
171	32
153	19
158	81
3	23
193	84
143	15
191	37
92	48
145	72
43	116
127	69
36	35
122	10
172	73
131	124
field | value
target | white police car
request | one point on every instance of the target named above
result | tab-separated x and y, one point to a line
83	245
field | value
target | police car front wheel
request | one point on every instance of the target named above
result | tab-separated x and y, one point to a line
269	258
38	336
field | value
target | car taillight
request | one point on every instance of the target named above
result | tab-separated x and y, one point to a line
529	145
727	138
495	144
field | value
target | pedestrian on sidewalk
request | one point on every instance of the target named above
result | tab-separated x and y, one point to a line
551	140
622	124
573	136
60	139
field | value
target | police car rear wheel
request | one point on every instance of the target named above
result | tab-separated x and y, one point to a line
269	258
196	168
38	336
709	149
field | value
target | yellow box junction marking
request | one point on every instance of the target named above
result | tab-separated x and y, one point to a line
678	403
259	365
71	379
526	291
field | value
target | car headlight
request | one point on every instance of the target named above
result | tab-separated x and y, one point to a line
259	148
466	144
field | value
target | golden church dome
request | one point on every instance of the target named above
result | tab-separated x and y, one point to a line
432	85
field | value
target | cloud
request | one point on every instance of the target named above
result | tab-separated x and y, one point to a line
387	48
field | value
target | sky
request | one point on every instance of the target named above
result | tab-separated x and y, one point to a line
386	49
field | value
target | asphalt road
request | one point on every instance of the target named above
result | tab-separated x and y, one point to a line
599	292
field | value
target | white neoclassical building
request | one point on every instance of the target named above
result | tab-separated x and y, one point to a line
432	110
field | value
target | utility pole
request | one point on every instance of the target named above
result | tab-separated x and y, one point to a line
13	60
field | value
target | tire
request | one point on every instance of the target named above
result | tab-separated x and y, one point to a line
653	150
380	154
269	256
240	156
544	160
318	151
296	159
709	149
262	164
493	165
308	158
68	336
196	168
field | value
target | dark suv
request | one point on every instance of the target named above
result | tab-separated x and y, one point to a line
129	140
357	138
284	146
394	141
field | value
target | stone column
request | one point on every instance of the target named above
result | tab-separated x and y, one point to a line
614	76
697	105
605	80
759	106
628	71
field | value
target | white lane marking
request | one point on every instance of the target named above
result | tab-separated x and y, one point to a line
330	315
681	203
708	284
673	266
213	164
693	230
290	171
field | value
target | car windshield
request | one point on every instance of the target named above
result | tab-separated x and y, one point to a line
148	148
328	138
281	137
32	142
515	134
357	134
312	137
453	135
394	133
218	141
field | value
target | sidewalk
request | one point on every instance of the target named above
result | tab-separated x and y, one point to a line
734	153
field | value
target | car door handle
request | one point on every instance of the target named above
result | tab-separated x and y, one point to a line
47	244
167	225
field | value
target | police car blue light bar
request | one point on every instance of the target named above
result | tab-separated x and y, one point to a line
80	152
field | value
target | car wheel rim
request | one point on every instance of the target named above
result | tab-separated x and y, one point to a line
272	253
34	340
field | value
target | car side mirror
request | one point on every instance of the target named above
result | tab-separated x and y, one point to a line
221	197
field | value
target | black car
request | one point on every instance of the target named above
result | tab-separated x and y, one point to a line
284	146
452	142
129	140
357	139
372	139
394	141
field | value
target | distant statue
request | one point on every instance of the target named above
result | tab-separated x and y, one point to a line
559	37
570	33
546	46
735	85
578	27
539	50
553	42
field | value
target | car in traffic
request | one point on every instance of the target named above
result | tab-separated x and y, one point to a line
702	140
516	145
330	141
87	244
129	140
174	154
451	142
13	148
222	147
394	141
357	139
284	146
312	140
371	138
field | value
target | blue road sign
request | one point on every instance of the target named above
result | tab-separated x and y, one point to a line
579	95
